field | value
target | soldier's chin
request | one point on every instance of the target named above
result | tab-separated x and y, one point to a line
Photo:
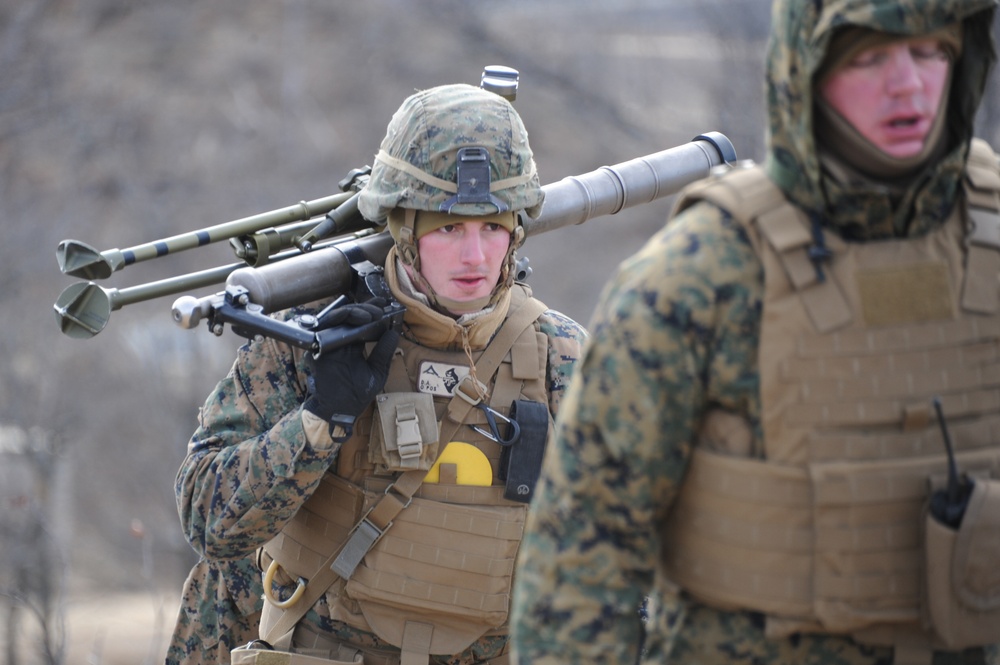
904	149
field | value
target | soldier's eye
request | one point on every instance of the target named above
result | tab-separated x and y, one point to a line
928	51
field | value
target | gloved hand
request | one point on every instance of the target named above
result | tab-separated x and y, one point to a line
343	382
354	314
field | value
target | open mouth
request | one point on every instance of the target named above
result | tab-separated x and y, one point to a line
469	283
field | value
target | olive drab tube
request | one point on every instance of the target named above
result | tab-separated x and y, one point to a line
611	189
79	259
572	200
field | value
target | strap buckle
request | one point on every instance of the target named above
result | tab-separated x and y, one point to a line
477	388
409	441
362	539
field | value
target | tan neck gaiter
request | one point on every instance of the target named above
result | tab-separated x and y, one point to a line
435	329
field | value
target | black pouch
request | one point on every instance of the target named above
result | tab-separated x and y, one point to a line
521	461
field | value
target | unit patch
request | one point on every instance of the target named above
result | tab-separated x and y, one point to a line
905	294
440	378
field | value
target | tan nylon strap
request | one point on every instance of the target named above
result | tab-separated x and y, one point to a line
446	185
267	657
398	495
525	364
492	357
416	646
786	229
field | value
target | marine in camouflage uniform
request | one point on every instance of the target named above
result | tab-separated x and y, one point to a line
276	428
677	337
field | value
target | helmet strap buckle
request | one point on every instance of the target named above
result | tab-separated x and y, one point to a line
407	243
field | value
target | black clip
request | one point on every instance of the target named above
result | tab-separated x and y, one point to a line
494	434
473	180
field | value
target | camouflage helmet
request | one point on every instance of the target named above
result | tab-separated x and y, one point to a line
438	132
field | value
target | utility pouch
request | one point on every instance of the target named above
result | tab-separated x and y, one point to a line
521	461
446	565
962	574
405	435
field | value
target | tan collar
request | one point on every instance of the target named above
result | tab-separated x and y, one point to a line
436	330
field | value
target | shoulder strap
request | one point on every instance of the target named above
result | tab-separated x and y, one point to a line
759	205
398	495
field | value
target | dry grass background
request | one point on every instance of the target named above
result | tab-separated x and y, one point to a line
124	121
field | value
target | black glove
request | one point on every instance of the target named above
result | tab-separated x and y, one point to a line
354	314
342	382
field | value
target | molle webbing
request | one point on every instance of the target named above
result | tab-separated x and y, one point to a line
319	528
475	544
834	543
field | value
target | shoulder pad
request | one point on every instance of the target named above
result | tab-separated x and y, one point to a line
743	191
983	166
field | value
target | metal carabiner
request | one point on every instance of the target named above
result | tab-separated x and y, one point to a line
494	433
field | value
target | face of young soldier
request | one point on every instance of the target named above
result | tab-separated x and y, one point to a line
463	261
891	93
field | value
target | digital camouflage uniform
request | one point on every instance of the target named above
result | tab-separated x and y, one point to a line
676	333
257	456
220	610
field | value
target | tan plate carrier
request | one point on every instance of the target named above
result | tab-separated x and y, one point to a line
825	530
329	549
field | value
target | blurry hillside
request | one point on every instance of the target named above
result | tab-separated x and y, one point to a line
125	121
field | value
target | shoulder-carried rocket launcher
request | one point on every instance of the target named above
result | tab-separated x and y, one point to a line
325	250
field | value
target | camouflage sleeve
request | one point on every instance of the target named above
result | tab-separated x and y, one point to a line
566	340
220	609
667	333
249	464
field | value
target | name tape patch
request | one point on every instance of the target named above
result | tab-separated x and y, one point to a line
440	378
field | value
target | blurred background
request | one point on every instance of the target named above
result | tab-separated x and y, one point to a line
126	121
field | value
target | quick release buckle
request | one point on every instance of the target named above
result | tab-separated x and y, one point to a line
409	441
362	539
471	389
473	179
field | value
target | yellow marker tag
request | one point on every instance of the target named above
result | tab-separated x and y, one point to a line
472	466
